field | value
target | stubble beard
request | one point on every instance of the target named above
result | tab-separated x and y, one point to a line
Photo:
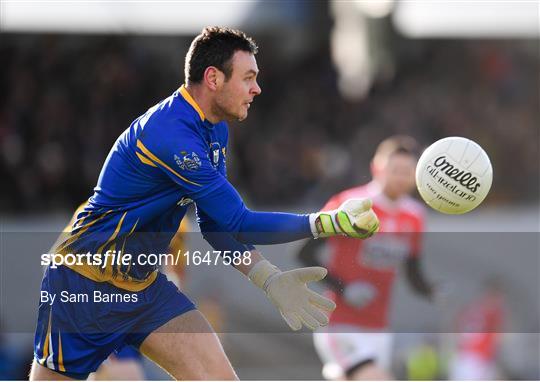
224	115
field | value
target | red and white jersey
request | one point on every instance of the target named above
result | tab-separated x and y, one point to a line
374	260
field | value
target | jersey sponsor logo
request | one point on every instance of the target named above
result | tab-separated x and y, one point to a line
188	162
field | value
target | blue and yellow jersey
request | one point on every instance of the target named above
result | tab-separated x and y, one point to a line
168	158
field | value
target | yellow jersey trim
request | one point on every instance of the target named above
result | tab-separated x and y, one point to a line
94	274
191	101
123	245
155	159
46	343
145	160
71	239
60	355
108	269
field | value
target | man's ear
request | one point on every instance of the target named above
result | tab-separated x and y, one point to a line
213	78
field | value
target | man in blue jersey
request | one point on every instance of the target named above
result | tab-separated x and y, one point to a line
170	157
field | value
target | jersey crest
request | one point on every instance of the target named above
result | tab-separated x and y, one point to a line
188	162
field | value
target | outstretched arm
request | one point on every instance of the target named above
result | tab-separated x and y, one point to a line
219	200
225	208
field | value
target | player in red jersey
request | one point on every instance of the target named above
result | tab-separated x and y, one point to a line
361	273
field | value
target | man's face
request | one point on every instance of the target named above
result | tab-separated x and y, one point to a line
398	175
235	95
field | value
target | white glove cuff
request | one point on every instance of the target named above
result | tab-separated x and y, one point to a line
319	224
262	273
314	231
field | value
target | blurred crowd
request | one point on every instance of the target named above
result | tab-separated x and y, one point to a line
65	99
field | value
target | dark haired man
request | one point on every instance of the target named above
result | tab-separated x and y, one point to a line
170	157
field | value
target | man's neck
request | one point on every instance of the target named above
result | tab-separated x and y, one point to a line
201	97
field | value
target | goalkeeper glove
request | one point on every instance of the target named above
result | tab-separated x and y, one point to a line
354	218
297	304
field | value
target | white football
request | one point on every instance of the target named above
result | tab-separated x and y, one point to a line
454	175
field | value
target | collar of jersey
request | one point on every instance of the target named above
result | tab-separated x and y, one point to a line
189	99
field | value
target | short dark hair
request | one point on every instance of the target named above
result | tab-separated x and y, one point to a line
397	144
215	46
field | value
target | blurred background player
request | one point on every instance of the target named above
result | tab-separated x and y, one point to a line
361	274
479	325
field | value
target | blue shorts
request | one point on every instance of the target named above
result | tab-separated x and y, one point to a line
127	353
88	320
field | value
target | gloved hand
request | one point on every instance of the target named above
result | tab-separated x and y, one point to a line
354	218
358	294
297	304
